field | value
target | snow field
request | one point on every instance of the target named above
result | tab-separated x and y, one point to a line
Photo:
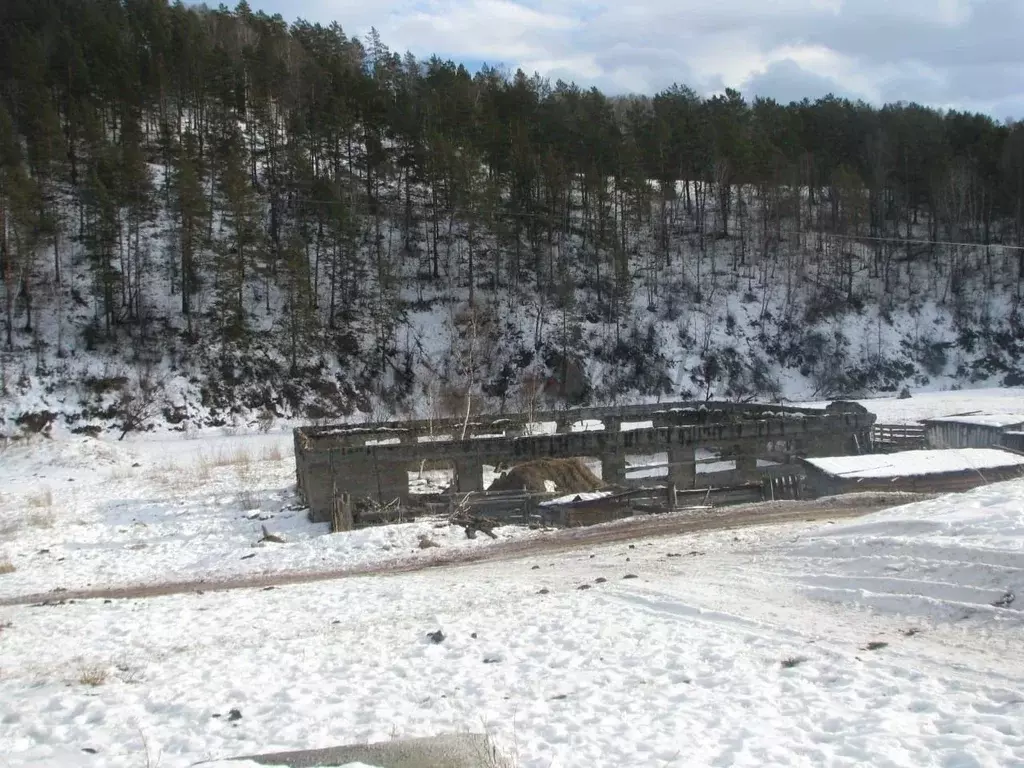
953	558
80	513
892	640
683	665
930	405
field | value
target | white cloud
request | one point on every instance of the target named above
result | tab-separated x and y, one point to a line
932	51
579	67
475	29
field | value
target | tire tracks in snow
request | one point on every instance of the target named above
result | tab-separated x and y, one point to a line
836	630
729	518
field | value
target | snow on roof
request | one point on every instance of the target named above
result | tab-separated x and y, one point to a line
917	463
998	420
575	497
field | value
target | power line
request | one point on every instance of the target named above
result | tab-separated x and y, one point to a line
790	232
912	241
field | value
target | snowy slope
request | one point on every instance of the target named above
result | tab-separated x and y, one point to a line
762	324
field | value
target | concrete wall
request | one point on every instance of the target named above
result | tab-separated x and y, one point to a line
663	415
372	460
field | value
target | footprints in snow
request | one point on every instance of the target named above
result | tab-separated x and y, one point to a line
604	580
874	645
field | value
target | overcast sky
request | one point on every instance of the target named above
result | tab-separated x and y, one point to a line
960	54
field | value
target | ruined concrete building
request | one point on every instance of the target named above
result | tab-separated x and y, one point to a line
373	460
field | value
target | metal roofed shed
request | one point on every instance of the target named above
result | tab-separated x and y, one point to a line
970	430
928	471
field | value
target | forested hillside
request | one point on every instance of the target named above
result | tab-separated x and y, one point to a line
214	216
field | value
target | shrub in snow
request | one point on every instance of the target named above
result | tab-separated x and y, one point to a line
265	421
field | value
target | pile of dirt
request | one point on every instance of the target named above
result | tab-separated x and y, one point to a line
568	475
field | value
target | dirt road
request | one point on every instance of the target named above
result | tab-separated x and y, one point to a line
653	526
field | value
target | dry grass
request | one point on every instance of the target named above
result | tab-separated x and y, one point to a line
43	499
43	520
206	462
240	457
202	470
492	757
128	672
250	499
122	473
272	453
568	475
6	566
248	475
93	675
234	458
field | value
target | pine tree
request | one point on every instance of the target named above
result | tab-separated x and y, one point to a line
101	233
298	318
239	242
19	226
191	213
135	196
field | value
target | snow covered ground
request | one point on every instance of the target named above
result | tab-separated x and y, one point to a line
930	405
78	512
958	558
709	657
890	641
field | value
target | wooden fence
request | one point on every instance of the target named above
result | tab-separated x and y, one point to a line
889	438
341	513
526	508
783	488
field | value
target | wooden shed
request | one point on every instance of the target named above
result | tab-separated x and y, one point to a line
1013	440
971	430
928	471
